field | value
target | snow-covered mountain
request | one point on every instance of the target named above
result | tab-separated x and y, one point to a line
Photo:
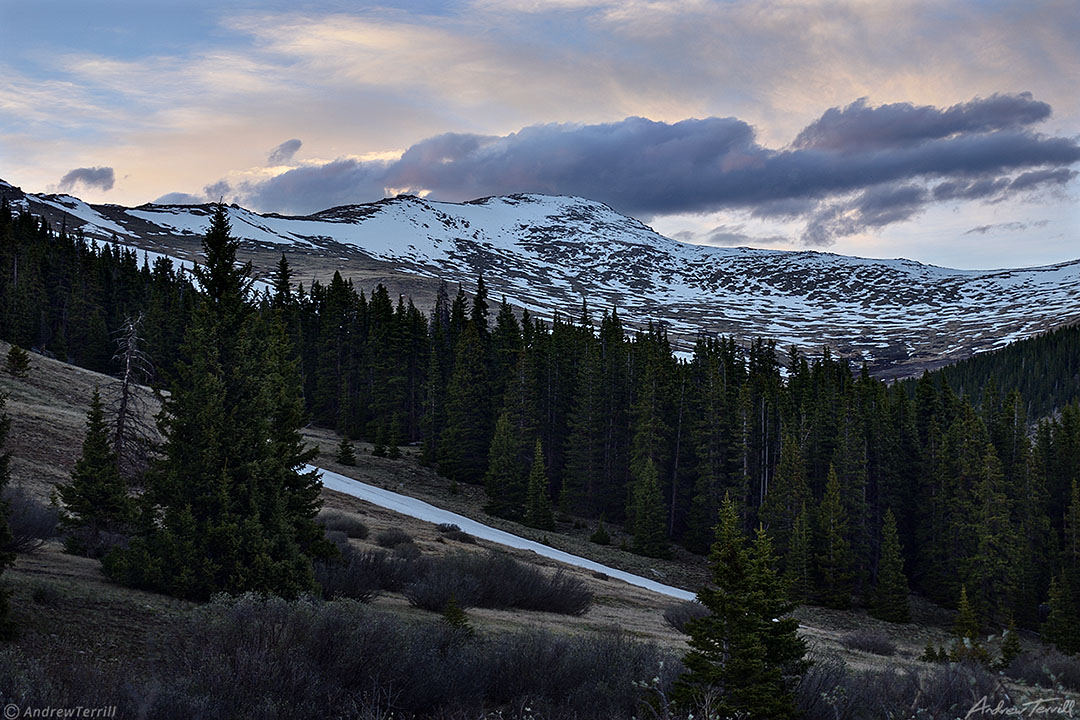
546	253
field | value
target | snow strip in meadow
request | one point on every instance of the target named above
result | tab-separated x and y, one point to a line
423	511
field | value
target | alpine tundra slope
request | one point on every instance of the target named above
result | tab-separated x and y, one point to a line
547	253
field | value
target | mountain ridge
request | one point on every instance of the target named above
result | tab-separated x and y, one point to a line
548	253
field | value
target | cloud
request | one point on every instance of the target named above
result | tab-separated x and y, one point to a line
101	178
284	152
853	169
1009	226
860	126
729	235
180	198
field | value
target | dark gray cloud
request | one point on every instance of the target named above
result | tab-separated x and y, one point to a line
854	168
284	152
215	192
860	126
102	178
1010	226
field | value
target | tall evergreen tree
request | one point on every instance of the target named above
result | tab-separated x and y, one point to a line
538	512
743	654
891	592
465	442
799	564
650	515
504	481
834	559
229	507
96	499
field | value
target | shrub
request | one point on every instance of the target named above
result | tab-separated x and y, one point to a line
448	527
46	595
1049	669
340	540
93	543
871	642
32	522
830	690
347	577
679	614
392	537
495	580
344	522
461	536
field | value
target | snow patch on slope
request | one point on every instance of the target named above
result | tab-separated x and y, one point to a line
429	513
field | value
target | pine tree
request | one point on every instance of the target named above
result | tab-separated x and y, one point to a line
466	439
744	653
538	513
600	536
967	623
1010	645
456	617
799	565
650	515
17	363
966	631
382	437
346	454
96	500
504	481
786	495
7	558
891	593
230	506
1062	626
835	562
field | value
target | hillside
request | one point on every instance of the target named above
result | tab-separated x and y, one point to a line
66	607
548	253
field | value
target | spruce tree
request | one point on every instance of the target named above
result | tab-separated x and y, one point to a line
96	500
538	513
465	441
650	515
346	454
1010	645
744	653
799	564
229	507
17	363
786	495
504	481
1062	626
835	561
891	592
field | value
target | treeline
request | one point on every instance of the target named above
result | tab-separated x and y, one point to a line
66	297
1045	370
613	426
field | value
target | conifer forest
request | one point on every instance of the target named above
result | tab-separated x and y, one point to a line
964	481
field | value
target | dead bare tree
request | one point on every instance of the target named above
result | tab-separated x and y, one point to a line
130	406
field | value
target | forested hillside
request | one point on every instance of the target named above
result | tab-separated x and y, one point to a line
576	414
1045	370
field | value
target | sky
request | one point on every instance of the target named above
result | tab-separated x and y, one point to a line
946	131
